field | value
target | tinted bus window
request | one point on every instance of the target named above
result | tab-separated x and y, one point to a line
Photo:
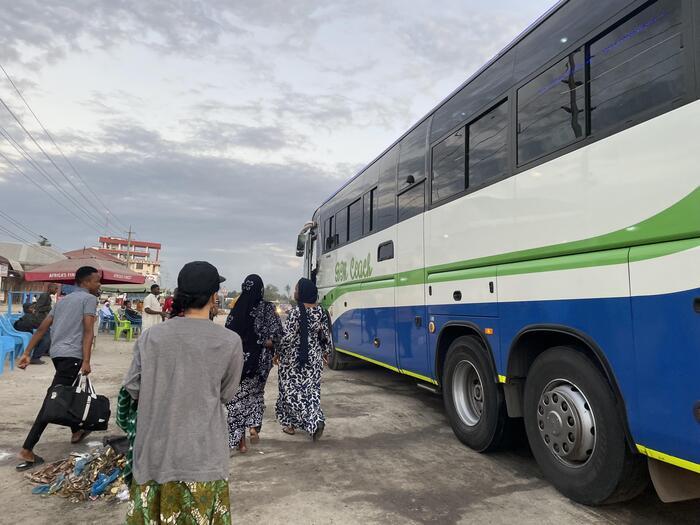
355	220
448	168
329	234
412	202
551	111
488	152
474	96
412	155
369	203
386	198
341	226
638	66
571	22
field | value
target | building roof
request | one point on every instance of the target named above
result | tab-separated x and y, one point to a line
24	257
93	252
121	240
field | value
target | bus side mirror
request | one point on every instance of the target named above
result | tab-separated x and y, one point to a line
301	245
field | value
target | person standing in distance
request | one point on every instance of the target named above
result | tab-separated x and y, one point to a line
72	325
152	312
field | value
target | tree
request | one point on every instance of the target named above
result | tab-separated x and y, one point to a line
272	293
288	289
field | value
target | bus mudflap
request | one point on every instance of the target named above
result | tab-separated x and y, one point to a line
673	483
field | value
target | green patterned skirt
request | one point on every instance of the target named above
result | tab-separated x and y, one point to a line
180	503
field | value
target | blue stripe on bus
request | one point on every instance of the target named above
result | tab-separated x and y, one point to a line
652	345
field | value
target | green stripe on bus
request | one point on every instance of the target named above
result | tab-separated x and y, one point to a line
683	219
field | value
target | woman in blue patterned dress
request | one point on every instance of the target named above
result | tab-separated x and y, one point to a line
305	347
257	323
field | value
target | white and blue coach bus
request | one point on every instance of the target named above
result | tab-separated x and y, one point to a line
531	249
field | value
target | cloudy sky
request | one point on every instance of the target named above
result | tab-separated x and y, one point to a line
217	127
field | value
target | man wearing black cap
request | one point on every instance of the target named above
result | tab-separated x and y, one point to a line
183	372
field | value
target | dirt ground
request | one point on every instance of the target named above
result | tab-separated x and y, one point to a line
387	456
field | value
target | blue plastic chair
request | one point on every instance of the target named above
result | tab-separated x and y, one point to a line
136	323
106	322
21	338
7	347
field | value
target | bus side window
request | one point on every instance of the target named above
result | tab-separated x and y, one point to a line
341	227
551	109
355	220
329	234
488	147
637	66
449	166
369	203
386	199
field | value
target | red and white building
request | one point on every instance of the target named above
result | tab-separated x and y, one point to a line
143	257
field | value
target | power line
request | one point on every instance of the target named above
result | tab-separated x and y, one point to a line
57	201
27	229
34	164
46	131
21	226
17	119
17	237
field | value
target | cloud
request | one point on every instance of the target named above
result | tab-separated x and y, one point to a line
49	31
222	136
218	127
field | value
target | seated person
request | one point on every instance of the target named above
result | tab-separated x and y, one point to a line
29	322
130	313
106	317
132	316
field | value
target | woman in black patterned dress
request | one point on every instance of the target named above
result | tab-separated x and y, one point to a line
305	347
260	328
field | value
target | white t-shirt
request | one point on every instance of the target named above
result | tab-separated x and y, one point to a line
152	303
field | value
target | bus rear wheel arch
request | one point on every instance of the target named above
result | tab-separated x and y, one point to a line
531	342
472	397
575	432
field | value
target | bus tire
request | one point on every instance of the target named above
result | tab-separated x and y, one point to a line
473	399
575	431
336	362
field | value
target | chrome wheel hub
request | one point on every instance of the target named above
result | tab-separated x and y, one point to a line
468	393
566	423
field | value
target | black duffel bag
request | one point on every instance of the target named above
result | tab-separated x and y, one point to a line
77	406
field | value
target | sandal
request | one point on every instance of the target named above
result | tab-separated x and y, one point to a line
289	431
83	435
254	436
26	464
319	431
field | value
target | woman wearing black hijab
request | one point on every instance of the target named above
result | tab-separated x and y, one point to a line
256	322
305	346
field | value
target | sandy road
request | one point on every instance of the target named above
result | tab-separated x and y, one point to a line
387	456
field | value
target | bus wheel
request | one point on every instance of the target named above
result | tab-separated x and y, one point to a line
575	432
336	362
473	400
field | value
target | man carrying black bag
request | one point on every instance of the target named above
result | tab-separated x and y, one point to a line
72	323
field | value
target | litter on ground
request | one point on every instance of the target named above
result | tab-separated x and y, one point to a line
82	477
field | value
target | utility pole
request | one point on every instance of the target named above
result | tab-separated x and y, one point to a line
128	249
